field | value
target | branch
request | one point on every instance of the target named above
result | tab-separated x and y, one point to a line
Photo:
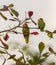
9	29
4	61
22	55
10	55
18	26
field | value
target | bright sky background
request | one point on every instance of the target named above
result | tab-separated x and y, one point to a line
42	8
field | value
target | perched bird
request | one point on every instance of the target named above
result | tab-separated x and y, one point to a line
41	24
26	32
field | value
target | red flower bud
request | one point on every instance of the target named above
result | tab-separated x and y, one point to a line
6	37
30	13
34	33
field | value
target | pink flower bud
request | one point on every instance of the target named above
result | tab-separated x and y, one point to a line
34	33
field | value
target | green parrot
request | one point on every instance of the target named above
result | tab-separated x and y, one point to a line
41	24
26	32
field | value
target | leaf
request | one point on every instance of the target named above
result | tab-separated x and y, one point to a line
41	61
14	12
54	31
50	34
53	63
10	5
20	63
20	59
52	51
2	52
11	57
41	46
34	33
46	54
30	61
35	57
5	45
34	22
3	16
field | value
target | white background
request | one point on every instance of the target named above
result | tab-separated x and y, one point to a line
42	8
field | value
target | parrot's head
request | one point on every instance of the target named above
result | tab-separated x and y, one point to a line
40	19
25	25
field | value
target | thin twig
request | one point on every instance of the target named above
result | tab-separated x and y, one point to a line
22	55
4	61
18	26
10	55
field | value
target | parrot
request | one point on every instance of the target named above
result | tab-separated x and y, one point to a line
41	24
26	31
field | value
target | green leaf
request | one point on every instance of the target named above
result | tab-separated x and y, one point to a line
10	5
54	31
2	52
20	59
36	59
20	63
14	12
5	46
3	16
53	63
41	46
41	61
11	57
49	34
46	54
30	61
